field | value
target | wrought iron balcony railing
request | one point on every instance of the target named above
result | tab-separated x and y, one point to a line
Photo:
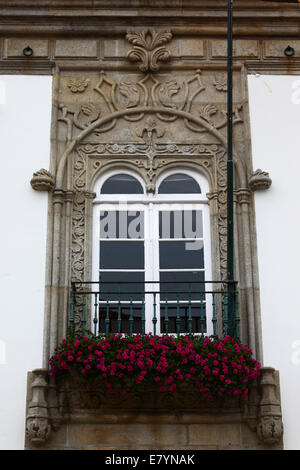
157	307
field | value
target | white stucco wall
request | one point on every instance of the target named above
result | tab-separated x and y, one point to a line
25	114
275	127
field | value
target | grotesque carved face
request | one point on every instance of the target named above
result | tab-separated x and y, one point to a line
270	429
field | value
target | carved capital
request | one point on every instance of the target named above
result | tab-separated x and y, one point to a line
58	196
37	422
42	180
259	180
243	196
69	195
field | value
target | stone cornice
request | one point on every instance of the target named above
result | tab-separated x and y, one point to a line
93	26
205	17
182	6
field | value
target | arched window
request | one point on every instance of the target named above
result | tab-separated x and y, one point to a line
179	183
151	254
122	184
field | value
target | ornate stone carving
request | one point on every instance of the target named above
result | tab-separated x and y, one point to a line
270	427
167	99
78	84
37	422
150	155
149	48
220	82
149	104
222	210
42	180
259	180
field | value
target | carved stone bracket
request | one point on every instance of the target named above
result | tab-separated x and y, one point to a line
259	180
263	409
37	421
42	180
270	427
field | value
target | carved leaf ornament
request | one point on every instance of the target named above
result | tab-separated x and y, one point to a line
149	48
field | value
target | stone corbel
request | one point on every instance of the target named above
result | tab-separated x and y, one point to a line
38	428
259	180
270	427
42	180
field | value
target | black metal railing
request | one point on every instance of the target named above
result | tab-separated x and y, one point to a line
157	307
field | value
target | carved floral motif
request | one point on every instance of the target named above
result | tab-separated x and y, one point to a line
220	82
149	48
78	84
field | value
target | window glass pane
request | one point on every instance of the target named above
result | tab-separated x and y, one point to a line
176	285
181	224
181	255
121	255
124	285
179	184
121	224
122	184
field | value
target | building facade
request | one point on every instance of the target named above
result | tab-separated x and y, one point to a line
133	188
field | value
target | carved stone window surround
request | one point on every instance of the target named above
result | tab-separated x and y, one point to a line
79	167
154	109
